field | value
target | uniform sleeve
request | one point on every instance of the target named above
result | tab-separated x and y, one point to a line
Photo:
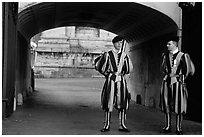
188	66
128	66
183	65
101	63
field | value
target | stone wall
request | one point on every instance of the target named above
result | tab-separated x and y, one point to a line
69	72
70	52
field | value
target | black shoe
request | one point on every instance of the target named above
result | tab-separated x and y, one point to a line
165	130
124	130
179	132
105	129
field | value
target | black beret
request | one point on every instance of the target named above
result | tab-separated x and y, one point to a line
116	39
174	38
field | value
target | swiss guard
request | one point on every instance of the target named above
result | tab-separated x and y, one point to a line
114	65
176	66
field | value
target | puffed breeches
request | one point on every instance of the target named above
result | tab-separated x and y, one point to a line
115	94
173	98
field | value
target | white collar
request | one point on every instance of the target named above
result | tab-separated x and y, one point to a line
175	51
115	51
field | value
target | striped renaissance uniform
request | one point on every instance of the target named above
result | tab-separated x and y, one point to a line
173	97
114	92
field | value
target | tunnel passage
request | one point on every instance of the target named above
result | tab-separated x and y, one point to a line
134	21
144	28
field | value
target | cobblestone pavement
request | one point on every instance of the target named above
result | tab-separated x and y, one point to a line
72	107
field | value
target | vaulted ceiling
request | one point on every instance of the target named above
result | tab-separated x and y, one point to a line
136	22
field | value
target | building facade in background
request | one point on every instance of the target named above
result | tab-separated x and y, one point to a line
61	50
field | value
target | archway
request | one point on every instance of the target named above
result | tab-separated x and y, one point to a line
145	28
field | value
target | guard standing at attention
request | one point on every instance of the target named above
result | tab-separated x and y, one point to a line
176	66
114	65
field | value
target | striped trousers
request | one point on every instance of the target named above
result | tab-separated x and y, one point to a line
115	94
173	98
